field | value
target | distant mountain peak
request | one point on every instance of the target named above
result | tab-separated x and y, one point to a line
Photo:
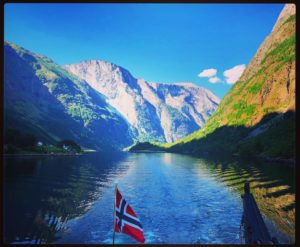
105	65
158	111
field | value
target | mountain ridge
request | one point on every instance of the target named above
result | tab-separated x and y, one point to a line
44	99
138	100
262	101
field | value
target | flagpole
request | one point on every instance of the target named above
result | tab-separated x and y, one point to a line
114	213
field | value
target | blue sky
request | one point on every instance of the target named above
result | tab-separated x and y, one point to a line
157	42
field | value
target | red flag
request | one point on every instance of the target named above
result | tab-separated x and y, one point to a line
126	220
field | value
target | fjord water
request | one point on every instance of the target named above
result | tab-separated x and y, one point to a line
178	198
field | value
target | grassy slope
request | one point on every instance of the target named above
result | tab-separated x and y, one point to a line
249	104
44	99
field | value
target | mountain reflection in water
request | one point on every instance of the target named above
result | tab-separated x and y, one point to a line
70	199
273	187
43	193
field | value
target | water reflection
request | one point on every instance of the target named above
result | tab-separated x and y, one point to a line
42	193
273	186
71	198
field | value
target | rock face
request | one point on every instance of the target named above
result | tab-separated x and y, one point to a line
43	99
158	112
257	115
268	83
278	34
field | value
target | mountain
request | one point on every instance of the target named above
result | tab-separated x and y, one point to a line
257	116
157	111
43	99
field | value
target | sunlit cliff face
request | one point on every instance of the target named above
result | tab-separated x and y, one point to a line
159	112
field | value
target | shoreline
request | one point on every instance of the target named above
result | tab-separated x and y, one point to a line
146	151
36	154
50	154
289	162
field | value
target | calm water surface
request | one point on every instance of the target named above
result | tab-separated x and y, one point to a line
178	198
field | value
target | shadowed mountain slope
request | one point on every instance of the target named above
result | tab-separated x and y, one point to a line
257	116
43	99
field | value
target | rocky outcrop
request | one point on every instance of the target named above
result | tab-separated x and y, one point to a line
279	33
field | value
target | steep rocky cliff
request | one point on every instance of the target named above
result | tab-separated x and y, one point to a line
268	83
158	112
257	116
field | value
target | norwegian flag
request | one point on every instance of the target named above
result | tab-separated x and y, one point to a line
126	220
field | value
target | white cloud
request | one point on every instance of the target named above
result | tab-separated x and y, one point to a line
214	79
208	73
233	74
